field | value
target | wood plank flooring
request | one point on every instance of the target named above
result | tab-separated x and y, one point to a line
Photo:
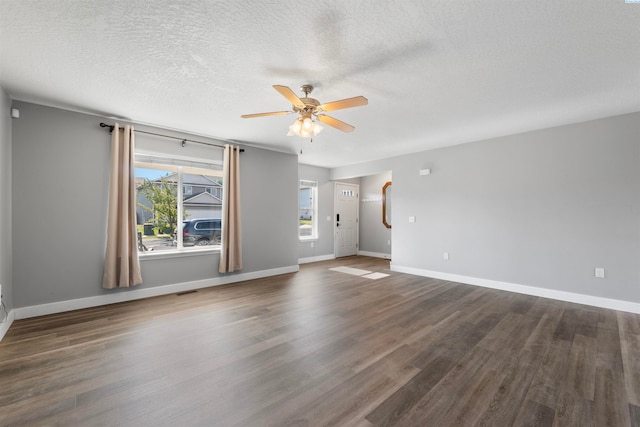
320	347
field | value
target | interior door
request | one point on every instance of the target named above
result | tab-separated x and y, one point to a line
346	219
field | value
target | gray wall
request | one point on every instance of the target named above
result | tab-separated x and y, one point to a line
374	236
324	245
541	208
6	276
59	189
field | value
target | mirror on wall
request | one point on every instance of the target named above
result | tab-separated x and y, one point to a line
386	204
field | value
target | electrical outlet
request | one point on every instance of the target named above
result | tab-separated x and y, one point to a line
388	242
599	273
445	255
312	244
412	219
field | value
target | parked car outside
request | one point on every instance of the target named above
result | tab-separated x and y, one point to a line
201	232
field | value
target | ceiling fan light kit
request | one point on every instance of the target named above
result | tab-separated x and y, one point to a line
304	127
310	109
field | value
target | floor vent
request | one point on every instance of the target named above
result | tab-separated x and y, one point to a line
186	292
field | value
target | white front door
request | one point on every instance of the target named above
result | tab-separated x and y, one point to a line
346	219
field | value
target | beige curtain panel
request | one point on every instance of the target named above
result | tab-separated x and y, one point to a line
121	264
231	252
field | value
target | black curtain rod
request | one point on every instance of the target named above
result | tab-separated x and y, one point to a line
184	140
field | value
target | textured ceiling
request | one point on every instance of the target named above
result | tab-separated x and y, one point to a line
436	73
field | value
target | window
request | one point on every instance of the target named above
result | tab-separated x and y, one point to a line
215	191
308	210
173	210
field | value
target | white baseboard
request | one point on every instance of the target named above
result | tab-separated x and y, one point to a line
613	304
4	326
134	294
374	254
316	258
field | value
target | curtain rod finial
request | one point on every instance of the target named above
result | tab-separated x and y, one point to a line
104	125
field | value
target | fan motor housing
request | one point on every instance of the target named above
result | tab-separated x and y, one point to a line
310	105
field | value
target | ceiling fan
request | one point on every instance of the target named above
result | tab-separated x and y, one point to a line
310	109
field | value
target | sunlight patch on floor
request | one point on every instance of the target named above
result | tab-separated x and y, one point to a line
359	272
375	276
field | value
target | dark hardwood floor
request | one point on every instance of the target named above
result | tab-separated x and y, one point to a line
322	348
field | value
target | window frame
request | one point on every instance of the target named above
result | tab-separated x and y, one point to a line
313	186
171	166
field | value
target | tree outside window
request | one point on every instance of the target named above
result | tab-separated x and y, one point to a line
163	197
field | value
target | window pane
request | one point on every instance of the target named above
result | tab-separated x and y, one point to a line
202	209
156	208
307	209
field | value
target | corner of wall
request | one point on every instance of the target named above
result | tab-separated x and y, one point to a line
6	223
4	326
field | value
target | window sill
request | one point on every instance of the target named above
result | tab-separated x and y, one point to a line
308	239
177	254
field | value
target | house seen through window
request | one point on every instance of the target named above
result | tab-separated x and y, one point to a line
308	210
178	205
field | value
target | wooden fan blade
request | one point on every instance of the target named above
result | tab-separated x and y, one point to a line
357	101
274	113
328	120
290	95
